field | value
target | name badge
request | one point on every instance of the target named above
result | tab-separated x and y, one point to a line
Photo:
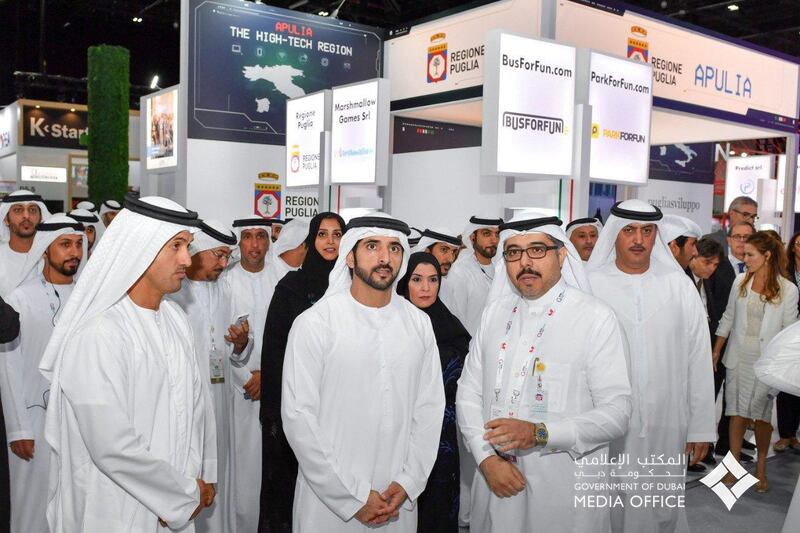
539	401
215	365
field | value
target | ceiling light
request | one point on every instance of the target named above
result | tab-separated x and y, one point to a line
154	82
71	109
744	154
137	19
732	152
323	13
733	7
38	107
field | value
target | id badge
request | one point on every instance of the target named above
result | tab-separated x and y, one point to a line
540	401
215	365
500	411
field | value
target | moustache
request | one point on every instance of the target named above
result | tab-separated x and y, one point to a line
380	267
528	271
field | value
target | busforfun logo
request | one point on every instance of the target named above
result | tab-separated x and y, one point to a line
729	495
595	130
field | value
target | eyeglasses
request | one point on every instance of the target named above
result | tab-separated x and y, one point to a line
746	216
537	251
221	255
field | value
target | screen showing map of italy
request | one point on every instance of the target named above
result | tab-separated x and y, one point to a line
246	60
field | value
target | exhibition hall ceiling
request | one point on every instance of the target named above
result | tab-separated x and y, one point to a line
150	30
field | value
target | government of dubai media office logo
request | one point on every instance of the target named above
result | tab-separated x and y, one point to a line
729	494
638	48
437	58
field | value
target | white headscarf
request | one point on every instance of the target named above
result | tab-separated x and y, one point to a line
18	197
212	234
340	279
88	206
571	271
475	223
242	224
677	226
109	206
292	235
637	212
89	218
432	236
46	233
582	222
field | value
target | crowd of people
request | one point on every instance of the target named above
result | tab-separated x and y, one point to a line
158	370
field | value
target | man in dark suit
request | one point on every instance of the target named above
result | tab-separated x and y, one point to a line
742	209
713	275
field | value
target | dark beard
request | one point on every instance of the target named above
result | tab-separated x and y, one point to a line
366	277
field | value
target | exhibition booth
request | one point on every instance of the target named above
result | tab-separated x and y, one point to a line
42	150
646	112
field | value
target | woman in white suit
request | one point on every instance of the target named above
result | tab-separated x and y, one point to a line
762	302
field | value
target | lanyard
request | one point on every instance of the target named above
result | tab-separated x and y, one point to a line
512	403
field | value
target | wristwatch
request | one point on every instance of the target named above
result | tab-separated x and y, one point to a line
540	430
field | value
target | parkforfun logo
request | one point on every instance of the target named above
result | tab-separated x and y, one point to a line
616	135
536	123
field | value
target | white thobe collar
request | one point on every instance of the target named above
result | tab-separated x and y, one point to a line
488	270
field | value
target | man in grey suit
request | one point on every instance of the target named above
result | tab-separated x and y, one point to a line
742	209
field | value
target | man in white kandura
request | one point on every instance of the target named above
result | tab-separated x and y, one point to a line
471	277
363	398
544	384
20	211
25	391
109	209
220	344
443	244
127	414
250	286
669	362
583	234
94	228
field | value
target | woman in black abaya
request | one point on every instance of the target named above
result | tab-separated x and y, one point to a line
295	293
438	504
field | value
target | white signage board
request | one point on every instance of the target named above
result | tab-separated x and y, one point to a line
306	118
781	181
161	134
688	67
528	107
694	201
45	174
360	133
621	96
447	54
743	172
300	203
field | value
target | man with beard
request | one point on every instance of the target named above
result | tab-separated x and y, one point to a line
669	359
207	307
471	276
363	398
20	211
681	234
583	234
39	301
109	210
94	228
443	244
